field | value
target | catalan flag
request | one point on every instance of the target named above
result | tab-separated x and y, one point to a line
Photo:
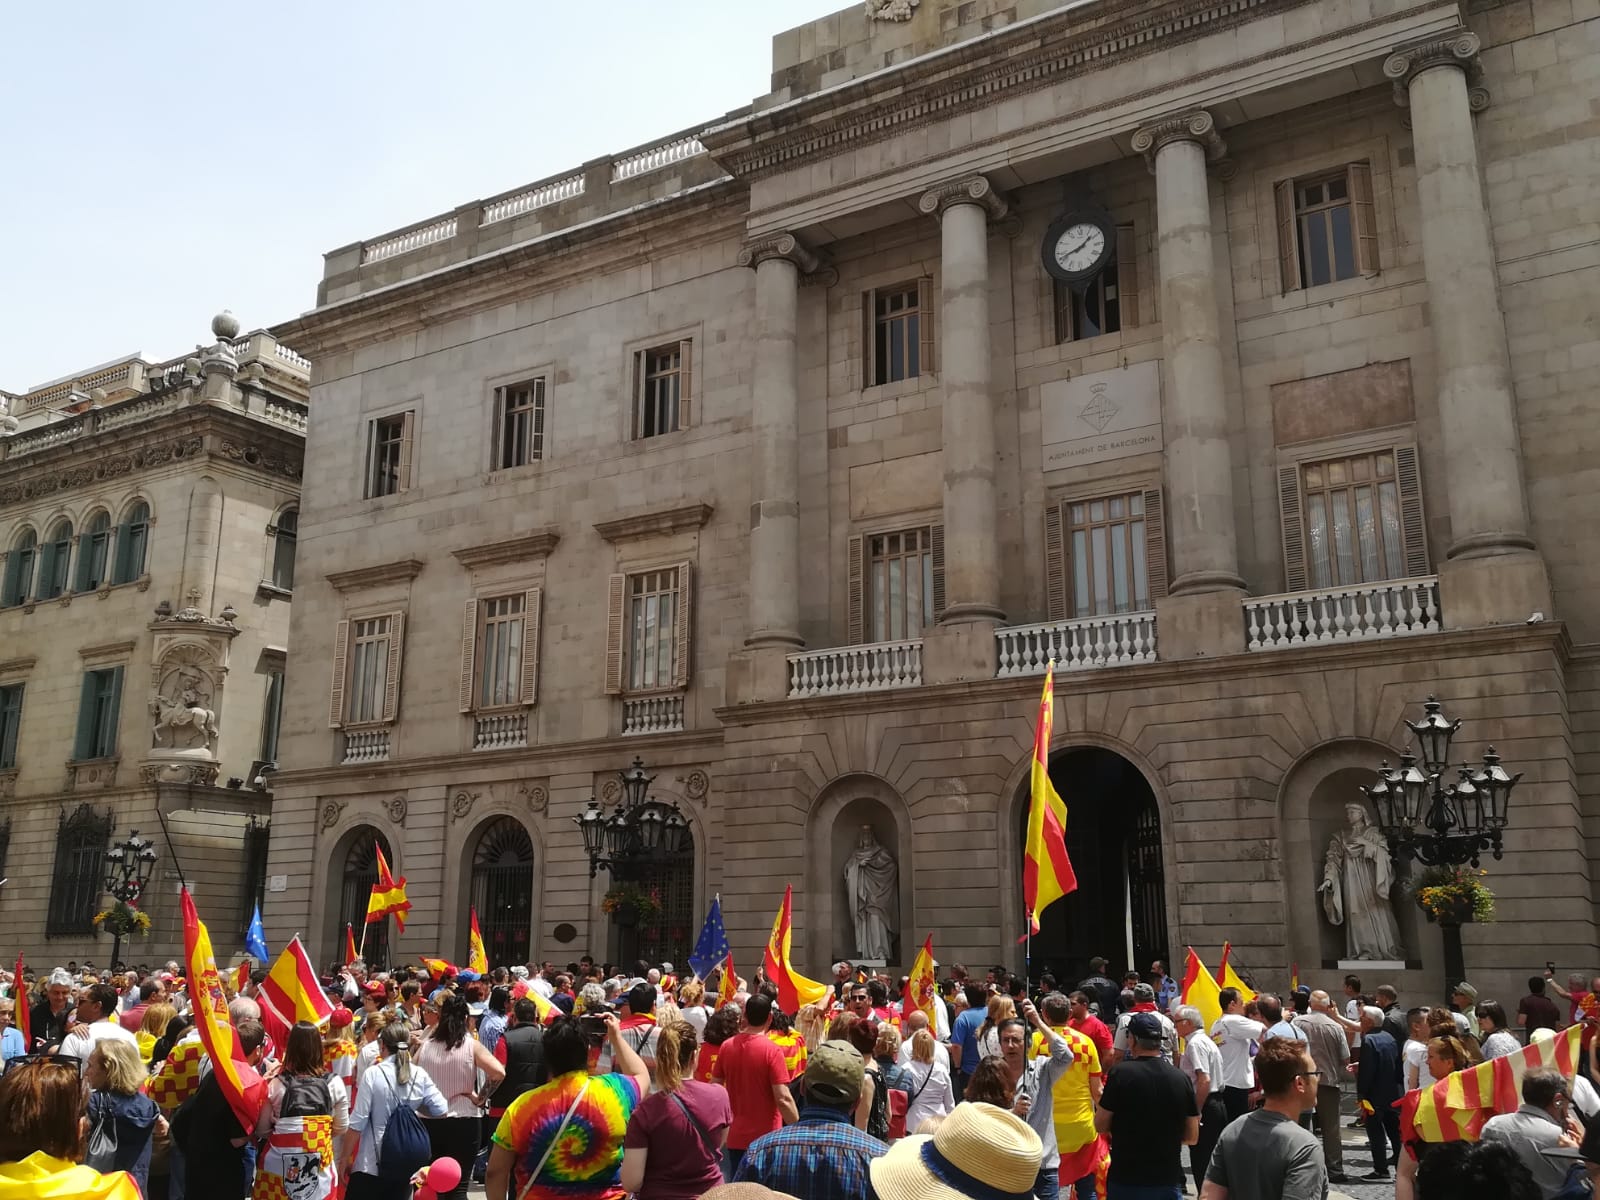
388	896
729	987
292	992
1199	988
921	989
241	1086
19	999
477	956
1046	870
1456	1107
794	989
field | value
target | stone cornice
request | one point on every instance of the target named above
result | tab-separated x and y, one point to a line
106	650
1457	49
512	550
972	189
780	245
1196	125
402	571
15	666
654	523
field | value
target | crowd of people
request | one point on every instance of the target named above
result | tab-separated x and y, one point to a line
589	1082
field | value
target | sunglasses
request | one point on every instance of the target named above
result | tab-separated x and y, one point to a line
43	1056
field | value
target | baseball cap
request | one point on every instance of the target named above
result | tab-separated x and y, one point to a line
342	1016
1465	989
834	1073
1145	1027
1144	994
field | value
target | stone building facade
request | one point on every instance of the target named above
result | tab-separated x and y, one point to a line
147	537
777	455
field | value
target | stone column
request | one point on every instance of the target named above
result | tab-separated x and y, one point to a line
774	602
1199	463
1477	416
971	545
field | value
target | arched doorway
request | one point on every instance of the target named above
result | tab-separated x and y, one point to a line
668	934
360	873
502	891
1119	910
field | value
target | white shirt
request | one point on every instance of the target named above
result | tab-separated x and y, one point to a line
1235	1033
931	1092
1415	1059
941	1054
1200	1055
1169	1035
366	1059
697	1015
77	1045
376	1100
1352	1012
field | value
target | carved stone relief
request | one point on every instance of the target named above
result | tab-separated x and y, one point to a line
461	802
395	806
188	679
331	811
535	795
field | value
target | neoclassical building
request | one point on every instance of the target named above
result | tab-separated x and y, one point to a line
147	555
1236	355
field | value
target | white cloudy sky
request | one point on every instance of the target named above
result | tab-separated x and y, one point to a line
160	161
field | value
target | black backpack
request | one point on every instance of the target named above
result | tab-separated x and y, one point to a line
305	1096
405	1148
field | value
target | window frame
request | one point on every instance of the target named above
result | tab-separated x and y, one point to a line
271	715
53	575
684	348
95	741
924	343
341	693
619	641
284	535
537	433
878	595
1292	244
1059	572
476	643
858	568
13	696
94	544
16	587
375	473
132	543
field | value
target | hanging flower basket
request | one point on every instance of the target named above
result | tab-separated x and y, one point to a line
1454	896
630	905
123	920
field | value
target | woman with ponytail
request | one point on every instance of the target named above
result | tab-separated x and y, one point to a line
393	1081
673	1150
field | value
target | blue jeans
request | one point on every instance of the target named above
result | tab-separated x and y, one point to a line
731	1159
174	1172
1047	1186
1144	1191
1083	1189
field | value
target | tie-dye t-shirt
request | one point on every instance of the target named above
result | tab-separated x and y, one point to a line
587	1161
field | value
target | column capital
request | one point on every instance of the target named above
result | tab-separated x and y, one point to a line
971	189
1458	49
780	245
1197	126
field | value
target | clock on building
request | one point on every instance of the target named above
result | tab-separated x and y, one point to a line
1079	245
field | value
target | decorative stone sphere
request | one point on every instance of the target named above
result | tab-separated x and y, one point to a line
225	325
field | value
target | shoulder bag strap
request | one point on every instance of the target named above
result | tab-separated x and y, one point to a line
551	1148
705	1139
925	1079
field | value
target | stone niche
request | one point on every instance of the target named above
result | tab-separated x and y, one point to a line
185	705
1327	817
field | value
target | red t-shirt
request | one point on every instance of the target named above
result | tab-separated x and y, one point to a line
682	1163
705	1066
1099	1034
751	1066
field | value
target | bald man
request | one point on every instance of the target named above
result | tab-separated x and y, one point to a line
1330	1050
916	1021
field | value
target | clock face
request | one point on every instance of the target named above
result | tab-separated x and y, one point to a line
1080	247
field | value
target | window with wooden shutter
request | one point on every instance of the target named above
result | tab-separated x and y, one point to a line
1155	543
469	653
1288	239
1364	217
1291	524
408	429
1127	277
341	649
1355	518
397	642
855	575
616	594
500	652
1055	564
1327	227
902	589
686	382
532	602
683	627
1411	518
1109	546
927	327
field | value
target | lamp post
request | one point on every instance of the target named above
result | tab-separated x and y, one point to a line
1438	823
128	867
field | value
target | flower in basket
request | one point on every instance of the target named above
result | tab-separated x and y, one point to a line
1454	895
627	898
122	919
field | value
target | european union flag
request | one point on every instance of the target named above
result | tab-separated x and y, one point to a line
711	949
255	938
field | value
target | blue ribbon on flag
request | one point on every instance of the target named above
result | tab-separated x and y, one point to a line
711	949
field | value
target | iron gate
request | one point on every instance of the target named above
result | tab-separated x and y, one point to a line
502	892
360	873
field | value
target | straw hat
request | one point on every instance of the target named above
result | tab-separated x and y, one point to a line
980	1153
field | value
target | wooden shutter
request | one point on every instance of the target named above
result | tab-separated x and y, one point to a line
936	539
856	592
341	649
683	631
1127	277
532	600
45	576
636	409
1055	563
1293	526
113	712
82	744
615	593
497	420
1412	525
869	340
1364	220
391	683
469	650
926	323
408	424
1288	237
1155	543
685	380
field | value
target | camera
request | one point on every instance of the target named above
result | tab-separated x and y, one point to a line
594	1029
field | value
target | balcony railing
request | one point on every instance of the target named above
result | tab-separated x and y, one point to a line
500	731
842	670
366	746
652	714
1077	645
1397	608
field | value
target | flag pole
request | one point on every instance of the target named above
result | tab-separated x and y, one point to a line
361	950
167	834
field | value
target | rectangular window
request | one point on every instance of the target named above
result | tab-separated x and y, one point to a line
97	714
369	669
271	717
10	723
1106	540
389	447
1327	228
518	424
1353	520
896	333
652	622
500	652
661	390
1088	314
899	584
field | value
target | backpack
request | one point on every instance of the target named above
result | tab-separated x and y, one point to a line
888	1105
305	1096
405	1148
102	1155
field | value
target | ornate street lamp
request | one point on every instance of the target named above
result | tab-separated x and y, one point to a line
637	831
128	868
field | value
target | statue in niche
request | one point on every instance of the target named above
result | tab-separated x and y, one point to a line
1357	877
183	720
872	881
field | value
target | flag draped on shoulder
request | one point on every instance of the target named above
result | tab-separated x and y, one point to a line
921	989
19	998
1456	1107
292	992
1200	989
243	1089
794	989
388	896
477	957
1047	873
711	947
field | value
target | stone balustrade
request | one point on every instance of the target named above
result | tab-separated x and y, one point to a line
1081	644
131	412
366	746
652	714
500	731
1396	608
409	240
531	198
843	670
653	158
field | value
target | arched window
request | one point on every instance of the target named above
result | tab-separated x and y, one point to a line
502	891
360	873
55	556
283	540
79	874
94	553
19	569
132	538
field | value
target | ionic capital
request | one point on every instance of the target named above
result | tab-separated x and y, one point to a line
972	189
1196	126
780	245
1457	49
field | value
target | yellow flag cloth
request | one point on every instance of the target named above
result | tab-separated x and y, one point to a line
42	1177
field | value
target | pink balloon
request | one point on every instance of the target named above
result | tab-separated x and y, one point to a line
443	1175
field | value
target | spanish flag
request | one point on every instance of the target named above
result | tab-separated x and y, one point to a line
388	896
1200	989
477	957
1456	1108
241	1086
1229	978
292	992
438	968
350	954
921	990
1046	871
19	1000
794	989
241	975
728	988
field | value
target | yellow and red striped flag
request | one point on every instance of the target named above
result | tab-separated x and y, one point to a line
292	992
388	896
1047	873
1455	1108
477	957
729	987
241	1086
350	954
794	989
921	989
1200	989
20	1001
